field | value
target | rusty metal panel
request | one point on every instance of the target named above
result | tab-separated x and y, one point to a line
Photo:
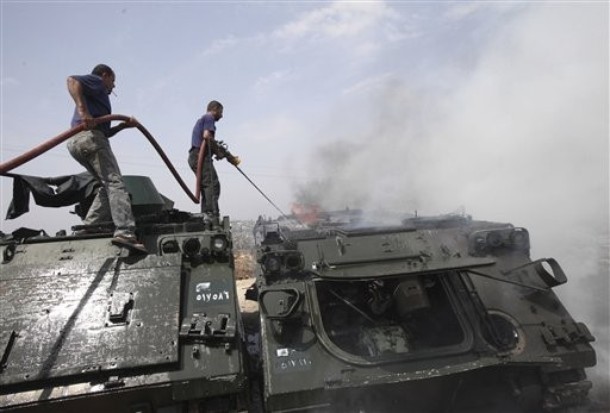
84	312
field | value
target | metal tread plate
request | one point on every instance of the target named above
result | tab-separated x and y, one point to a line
123	315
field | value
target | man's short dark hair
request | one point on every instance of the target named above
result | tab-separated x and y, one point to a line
214	105
101	69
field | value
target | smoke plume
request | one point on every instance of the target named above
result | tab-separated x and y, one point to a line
522	137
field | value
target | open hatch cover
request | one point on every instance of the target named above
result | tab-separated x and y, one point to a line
372	255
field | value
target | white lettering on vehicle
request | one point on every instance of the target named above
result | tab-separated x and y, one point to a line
289	360
203	293
294	364
213	297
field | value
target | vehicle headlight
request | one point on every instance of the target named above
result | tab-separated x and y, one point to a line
219	244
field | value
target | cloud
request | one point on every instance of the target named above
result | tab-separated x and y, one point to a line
219	45
346	21
369	84
272	79
366	24
340	19
462	10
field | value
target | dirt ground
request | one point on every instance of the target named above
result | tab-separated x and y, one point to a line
246	306
245	264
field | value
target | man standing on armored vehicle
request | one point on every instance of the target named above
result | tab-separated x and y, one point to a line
205	131
92	150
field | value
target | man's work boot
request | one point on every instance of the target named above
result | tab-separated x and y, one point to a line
130	243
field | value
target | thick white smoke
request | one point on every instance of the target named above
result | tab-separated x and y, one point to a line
521	138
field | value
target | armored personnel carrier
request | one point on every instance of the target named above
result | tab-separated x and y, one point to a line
436	314
87	327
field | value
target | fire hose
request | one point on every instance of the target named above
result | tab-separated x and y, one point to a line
51	143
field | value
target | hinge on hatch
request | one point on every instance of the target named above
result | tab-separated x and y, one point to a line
119	309
113	382
568	333
221	327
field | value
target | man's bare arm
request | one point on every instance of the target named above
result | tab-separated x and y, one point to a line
76	91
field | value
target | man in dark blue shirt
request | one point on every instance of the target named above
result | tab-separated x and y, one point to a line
92	150
205	128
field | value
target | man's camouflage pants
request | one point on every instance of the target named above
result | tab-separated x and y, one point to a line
210	185
92	150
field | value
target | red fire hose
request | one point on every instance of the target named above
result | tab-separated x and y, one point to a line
200	156
51	143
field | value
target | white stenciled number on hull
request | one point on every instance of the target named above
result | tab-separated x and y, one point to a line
204	293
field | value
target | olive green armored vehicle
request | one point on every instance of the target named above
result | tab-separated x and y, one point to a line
436	314
86	326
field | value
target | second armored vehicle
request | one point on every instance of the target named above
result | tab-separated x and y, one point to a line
437	314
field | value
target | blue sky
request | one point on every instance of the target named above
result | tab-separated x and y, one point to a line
498	109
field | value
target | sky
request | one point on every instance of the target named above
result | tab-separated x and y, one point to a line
499	110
